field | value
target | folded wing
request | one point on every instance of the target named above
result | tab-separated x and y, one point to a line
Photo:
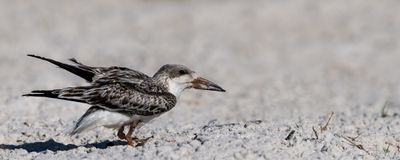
126	98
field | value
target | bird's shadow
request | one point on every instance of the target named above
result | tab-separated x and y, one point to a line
56	146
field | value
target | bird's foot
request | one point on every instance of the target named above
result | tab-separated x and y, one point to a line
121	136
141	142
136	141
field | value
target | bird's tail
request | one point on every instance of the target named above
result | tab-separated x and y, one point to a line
81	70
71	94
44	93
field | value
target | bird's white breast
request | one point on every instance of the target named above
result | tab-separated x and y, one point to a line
115	120
110	120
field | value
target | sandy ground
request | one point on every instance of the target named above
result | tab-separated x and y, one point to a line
286	65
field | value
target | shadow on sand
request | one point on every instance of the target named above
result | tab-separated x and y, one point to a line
56	146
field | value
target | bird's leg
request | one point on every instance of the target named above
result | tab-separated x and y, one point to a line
128	135
133	141
120	133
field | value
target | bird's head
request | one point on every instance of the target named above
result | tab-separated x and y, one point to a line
179	78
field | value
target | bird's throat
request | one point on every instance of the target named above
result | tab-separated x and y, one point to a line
176	88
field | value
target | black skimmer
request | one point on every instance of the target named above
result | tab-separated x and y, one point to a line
121	97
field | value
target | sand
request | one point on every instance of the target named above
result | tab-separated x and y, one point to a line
286	66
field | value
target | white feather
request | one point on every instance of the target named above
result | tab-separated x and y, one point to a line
109	120
101	118
178	84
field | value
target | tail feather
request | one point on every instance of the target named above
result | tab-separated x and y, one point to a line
55	93
44	93
81	70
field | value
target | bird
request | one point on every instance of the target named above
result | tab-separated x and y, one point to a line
120	97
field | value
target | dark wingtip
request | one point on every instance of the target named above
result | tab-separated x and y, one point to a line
32	55
36	56
31	95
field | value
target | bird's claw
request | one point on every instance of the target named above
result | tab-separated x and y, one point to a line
134	142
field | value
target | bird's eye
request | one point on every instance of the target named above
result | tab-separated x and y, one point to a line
182	72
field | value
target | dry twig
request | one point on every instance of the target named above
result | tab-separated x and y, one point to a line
325	127
315	132
384	111
359	146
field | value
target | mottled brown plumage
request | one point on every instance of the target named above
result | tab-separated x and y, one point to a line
121	96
